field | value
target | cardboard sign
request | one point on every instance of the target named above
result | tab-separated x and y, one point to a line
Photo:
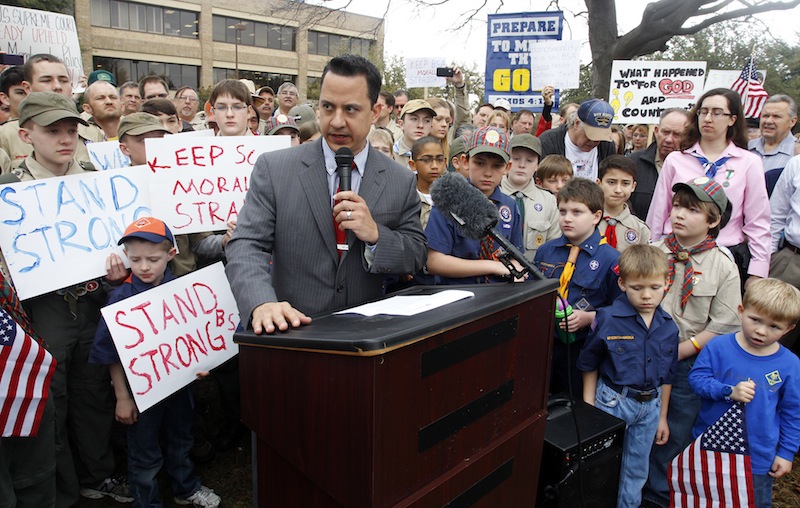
508	52
58	232
199	184
642	90
107	155
421	72
556	63
28	32
167	334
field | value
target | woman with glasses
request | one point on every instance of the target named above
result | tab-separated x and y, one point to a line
715	147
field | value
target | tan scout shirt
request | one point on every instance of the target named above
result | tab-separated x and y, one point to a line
540	223
18	150
630	229
425	209
715	297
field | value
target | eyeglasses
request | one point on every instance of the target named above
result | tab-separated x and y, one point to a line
157	96
715	112
290	94
236	108
428	159
187	99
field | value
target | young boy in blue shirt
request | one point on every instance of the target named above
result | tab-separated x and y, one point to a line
751	367
587	269
150	246
456	259
628	363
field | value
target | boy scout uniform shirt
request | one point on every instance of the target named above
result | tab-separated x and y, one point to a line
425	208
446	237
715	298
32	170
402	153
540	223
630	229
594	282
17	150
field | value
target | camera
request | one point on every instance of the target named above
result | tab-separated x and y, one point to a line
8	59
444	72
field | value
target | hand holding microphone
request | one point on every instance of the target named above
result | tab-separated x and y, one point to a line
350	210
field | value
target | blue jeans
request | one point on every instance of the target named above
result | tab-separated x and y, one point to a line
684	405
641	424
762	485
173	416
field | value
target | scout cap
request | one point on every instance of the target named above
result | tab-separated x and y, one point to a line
101	75
528	141
709	191
255	99
596	116
302	113
136	124
415	105
458	146
278	122
149	229
46	108
490	140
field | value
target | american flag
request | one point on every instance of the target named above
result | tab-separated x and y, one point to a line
25	372
715	469
752	92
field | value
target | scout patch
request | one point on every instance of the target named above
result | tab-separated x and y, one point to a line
773	378
631	236
594	265
505	213
539	239
583	305
538	207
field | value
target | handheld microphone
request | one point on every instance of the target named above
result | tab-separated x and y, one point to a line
475	214
344	167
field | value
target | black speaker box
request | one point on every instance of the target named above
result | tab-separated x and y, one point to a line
588	480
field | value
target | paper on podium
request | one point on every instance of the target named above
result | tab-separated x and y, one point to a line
409	305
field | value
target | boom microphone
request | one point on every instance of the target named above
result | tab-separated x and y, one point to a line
344	167
475	214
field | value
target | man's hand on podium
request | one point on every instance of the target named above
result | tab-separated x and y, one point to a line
270	316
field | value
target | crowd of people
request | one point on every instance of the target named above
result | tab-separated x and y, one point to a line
675	248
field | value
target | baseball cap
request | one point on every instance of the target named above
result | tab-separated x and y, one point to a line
302	113
458	146
490	140
528	141
139	123
415	105
149	229
46	108
265	89
278	122
502	104
709	191
101	75
596	116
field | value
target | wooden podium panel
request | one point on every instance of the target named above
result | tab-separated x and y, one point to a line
446	408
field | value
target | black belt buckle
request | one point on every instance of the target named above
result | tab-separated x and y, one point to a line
643	396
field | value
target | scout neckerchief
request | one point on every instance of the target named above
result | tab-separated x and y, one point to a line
681	255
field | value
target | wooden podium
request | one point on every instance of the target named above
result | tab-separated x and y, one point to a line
445	408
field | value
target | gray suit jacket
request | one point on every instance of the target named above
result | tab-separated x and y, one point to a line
287	214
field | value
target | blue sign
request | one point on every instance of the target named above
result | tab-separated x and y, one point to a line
508	66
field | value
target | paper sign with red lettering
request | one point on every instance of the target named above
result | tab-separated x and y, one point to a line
421	72
167	334
642	89
56	233
28	32
199	184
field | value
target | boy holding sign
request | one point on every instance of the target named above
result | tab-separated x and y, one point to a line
150	246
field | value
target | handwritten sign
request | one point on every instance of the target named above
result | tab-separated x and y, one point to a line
508	51
556	63
199	184
642	90
58	232
165	335
107	155
421	72
203	133
28	32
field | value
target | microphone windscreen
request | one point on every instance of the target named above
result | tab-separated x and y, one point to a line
342	153
453	194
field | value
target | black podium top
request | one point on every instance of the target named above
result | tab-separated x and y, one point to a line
362	335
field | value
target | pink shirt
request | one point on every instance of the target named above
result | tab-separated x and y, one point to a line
746	190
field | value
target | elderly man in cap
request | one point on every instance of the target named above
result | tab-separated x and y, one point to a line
585	139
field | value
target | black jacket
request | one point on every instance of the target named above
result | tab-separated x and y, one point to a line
646	177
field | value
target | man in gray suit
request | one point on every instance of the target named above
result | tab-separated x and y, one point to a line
292	209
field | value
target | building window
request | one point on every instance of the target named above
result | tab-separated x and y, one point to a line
258	77
321	43
254	33
176	75
145	18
